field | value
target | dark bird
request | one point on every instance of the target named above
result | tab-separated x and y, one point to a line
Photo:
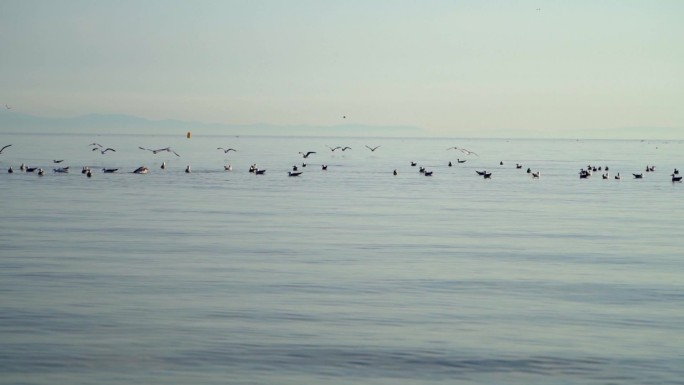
617	176
324	167
395	172
225	150
187	169
450	164
41	172
61	169
58	161
413	164
290	173
487	175
333	148
89	174
163	165
372	148
9	170
259	172
346	148
2	149
461	161
141	170
676	178
638	176
306	155
535	174
427	173
107	149
480	172
109	170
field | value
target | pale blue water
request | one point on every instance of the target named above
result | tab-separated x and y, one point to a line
346	276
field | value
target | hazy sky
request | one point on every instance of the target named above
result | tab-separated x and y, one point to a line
450	67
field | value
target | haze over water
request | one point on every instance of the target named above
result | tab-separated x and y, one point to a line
345	276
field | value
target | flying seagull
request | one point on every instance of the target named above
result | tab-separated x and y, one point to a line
8	107
2	149
372	148
346	148
333	148
306	155
225	150
107	149
463	150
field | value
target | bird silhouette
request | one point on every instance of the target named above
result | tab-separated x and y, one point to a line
372	148
306	155
2	149
225	150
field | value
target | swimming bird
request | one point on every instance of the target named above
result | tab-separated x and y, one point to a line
58	161
290	173
9	170
676	178
187	169
427	173
676	172
604	176
535	174
41	172
487	175
61	169
372	148
518	165
395	172
228	168
294	168
141	170
89	174
109	170
163	165
324	167
225	150
3	148
460	161
638	176
450	164
22	167
413	164
85	169
617	176
32	169
480	172
259	172
306	155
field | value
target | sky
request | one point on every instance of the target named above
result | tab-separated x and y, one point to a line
449	67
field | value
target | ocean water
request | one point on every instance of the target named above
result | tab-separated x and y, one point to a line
345	276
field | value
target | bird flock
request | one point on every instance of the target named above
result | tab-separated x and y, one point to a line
584	173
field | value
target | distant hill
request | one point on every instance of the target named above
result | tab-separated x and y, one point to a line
126	124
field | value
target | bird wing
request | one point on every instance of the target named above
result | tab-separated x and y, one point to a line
2	149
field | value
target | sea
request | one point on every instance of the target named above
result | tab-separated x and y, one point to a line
350	275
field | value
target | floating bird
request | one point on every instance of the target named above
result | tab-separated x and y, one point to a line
61	169
501	163
413	164
487	175
427	173
225	150
676	178
187	169
395	172
109	170
32	169
604	176
22	167
373	148
89	174
324	167
294	168
480	172
676	172
617	176
9	170
85	170
290	173
2	149
306	155
259	172
228	168
303	164
638	176
518	165
163	165
450	164
461	161
41	172
58	161
535	174
141	170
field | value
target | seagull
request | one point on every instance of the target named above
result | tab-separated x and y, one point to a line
2	149
225	150
333	148
141	170
324	167
259	172
163	165
58	161
373	148
290	173
463	150
61	169
109	170
95	144
346	148
106	149
187	169
306	155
